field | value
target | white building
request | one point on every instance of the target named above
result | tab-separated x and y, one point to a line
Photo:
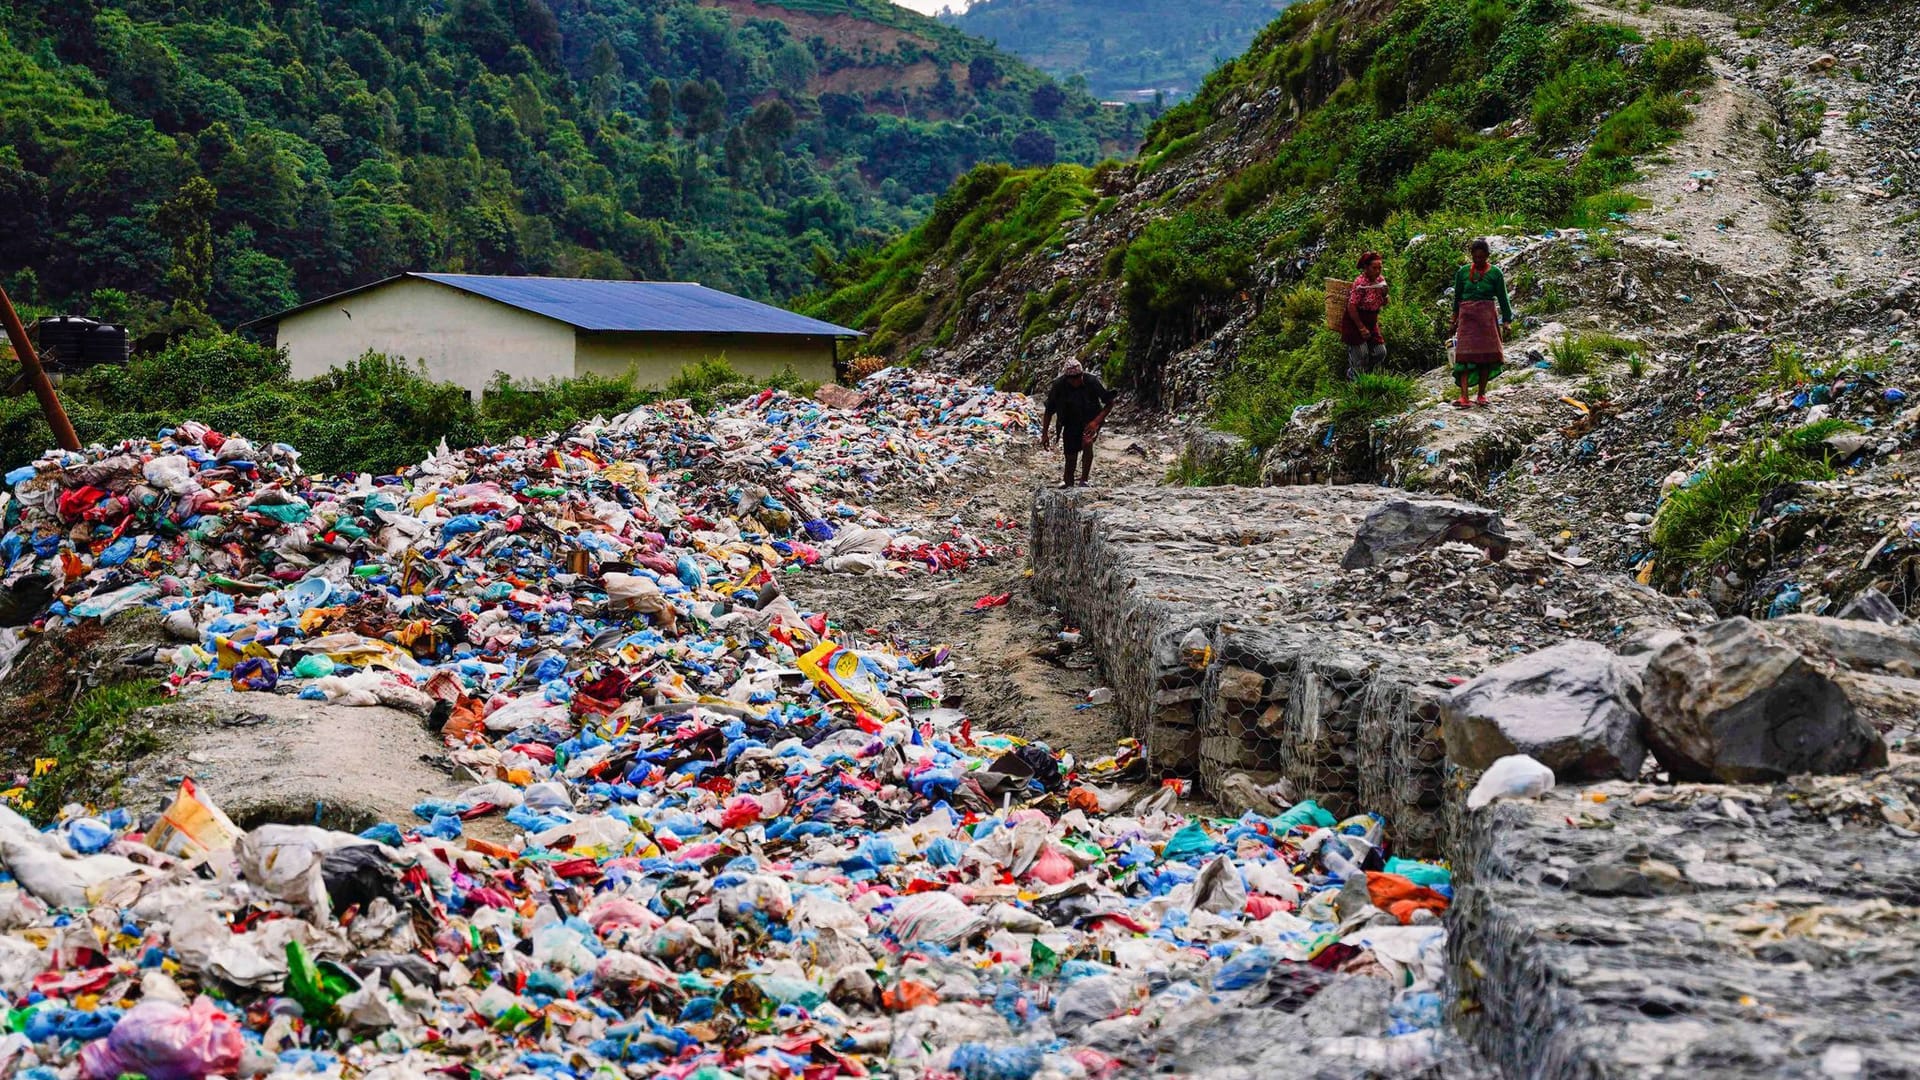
466	327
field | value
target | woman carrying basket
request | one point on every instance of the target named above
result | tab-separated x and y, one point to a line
1360	322
1481	312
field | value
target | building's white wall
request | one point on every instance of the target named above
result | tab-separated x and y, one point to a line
653	359
462	339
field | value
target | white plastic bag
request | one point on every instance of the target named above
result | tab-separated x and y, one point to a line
937	917
283	861
48	871
1515	776
170	472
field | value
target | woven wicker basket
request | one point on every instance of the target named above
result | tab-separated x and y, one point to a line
1337	289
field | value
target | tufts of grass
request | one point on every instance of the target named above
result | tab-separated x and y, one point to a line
1610	346
96	730
1571	355
1373	396
1552	301
1636	367
1705	522
1697	431
1789	366
1190	471
1807	438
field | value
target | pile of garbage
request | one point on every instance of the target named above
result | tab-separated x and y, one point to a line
705	833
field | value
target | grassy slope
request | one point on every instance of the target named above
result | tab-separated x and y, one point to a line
1406	134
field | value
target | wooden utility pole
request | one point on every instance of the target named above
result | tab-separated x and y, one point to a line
37	376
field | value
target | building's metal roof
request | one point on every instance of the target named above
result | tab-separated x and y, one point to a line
664	307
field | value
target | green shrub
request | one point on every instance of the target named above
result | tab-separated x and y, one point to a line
526	408
906	316
1676	63
1190	471
376	414
1646	122
1178	262
712	382
1566	105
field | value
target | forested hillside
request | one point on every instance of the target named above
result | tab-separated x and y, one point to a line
164	158
1124	49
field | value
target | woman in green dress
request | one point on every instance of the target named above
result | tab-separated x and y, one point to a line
1481	313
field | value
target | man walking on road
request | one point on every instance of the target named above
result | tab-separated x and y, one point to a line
1081	402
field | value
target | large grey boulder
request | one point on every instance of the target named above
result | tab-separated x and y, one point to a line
1733	702
1871	647
1403	526
1572	707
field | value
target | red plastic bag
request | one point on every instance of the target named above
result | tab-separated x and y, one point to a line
164	1041
741	811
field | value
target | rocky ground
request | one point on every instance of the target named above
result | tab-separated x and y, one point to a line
1618	929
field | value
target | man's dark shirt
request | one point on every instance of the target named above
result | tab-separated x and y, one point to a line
1076	405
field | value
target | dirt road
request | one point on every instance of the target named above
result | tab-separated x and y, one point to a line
1013	672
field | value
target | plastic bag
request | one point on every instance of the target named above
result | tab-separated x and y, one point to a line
1092	999
841	673
164	1041
105	606
979	1061
284	861
1515	776
936	917
192	825
1219	889
170	472
357	875
316	987
20	961
255	673
635	592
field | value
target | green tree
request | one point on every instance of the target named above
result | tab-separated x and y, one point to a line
1047	99
982	72
252	284
186	220
660	108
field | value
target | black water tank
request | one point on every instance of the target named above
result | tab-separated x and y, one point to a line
104	344
75	343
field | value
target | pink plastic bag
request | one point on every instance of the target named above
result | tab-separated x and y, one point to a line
164	1041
